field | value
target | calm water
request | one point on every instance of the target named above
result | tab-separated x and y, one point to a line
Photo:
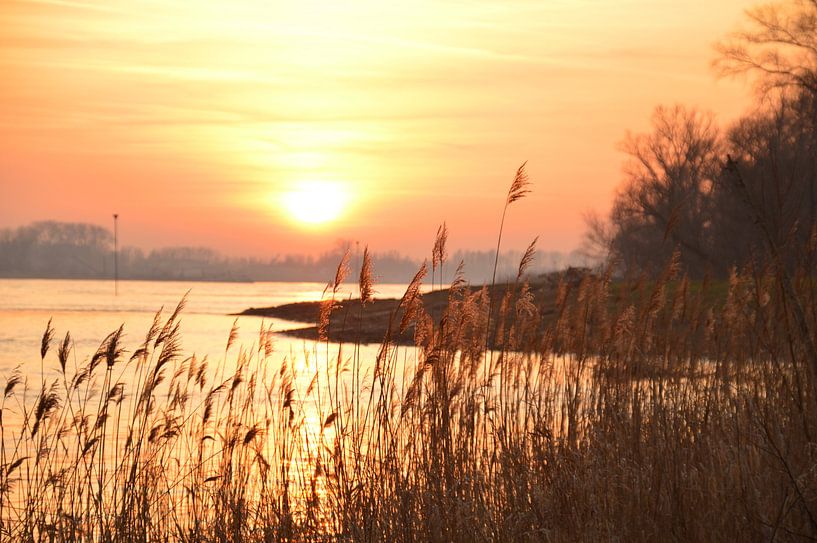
90	311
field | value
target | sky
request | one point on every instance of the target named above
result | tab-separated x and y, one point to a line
268	127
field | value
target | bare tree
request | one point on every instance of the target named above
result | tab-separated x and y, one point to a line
598	238
664	202
776	148
776	152
676	191
778	46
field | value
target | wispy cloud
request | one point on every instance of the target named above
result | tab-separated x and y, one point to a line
395	99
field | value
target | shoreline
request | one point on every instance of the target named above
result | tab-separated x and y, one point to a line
350	324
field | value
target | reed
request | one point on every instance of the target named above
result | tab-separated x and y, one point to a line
617	408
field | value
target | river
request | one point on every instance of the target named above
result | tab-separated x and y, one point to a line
90	310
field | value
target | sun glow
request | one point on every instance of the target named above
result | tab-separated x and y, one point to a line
315	202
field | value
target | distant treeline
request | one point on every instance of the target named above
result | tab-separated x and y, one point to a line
85	251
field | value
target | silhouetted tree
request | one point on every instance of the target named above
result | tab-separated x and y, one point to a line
776	149
664	202
776	153
778	47
676	191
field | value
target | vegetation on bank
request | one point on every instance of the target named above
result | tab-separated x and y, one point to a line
369	326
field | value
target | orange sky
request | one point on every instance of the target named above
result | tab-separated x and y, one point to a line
194	120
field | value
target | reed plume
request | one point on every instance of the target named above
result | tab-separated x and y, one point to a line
633	408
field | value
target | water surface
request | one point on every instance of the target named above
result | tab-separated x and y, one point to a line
90	311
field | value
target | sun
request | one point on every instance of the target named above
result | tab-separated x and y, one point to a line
315	202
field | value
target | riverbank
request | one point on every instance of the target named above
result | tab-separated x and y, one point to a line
349	323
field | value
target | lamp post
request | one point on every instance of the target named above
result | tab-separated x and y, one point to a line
115	255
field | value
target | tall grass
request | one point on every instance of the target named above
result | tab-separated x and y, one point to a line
635	409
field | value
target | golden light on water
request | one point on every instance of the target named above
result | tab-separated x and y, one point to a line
315	202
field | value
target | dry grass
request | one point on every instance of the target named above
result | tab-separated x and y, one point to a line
657	416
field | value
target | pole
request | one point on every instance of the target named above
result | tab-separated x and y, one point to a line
115	255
